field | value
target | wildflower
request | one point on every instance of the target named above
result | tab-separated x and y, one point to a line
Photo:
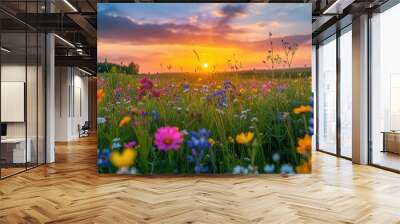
254	119
100	95
155	115
280	88
199	139
269	168
276	157
131	144
304	145
125	120
242	90
302	109
231	140
125	170
185	88
227	84
237	170
146	83
101	120
168	138
304	168
221	98
199	143
211	141
103	158
266	87
254	90
287	169
116	143
124	159
244	137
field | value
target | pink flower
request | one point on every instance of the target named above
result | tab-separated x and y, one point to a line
168	138
146	83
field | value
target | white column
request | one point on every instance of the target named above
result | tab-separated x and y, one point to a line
360	90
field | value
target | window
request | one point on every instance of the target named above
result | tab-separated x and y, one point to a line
327	95
385	89
346	92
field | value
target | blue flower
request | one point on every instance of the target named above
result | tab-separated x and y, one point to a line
155	115
103	158
227	84
101	120
116	143
199	139
198	143
237	170
287	169
220	96
276	157
269	168
185	88
280	88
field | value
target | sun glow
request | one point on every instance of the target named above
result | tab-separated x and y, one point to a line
205	65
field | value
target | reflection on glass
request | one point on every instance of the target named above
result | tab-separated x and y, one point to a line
385	89
346	93
13	84
327	96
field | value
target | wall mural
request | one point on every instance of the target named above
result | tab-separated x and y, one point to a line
204	88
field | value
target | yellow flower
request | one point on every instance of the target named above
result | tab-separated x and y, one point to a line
304	145
125	159
100	95
124	121
219	86
211	141
241	90
254	90
231	140
244	137
302	109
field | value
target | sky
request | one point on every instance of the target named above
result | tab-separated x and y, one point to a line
187	35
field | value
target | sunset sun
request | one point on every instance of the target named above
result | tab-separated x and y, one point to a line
205	65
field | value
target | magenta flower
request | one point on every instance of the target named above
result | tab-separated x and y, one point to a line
168	138
146	83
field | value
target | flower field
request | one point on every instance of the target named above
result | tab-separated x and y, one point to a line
244	122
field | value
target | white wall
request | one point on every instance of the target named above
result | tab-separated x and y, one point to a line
71	93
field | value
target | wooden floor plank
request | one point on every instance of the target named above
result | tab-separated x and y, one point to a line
70	191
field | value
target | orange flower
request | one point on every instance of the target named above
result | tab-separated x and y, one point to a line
302	109
100	95
305	168
304	145
125	120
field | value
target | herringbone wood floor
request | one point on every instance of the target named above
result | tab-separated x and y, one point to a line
70	191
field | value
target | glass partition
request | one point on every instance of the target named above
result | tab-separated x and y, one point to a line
327	95
22	88
385	89
346	92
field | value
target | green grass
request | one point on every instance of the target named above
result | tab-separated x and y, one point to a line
197	109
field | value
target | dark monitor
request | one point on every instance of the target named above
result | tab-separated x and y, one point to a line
3	129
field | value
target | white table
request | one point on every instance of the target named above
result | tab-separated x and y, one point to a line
18	144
